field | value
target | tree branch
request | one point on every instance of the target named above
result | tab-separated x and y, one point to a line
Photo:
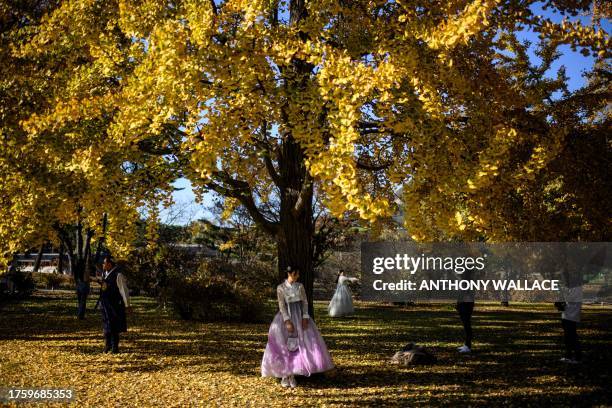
242	191
372	167
63	236
214	7
267	148
303	195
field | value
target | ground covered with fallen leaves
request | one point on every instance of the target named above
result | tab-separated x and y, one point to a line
170	362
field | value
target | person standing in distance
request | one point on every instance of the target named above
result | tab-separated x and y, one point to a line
114	299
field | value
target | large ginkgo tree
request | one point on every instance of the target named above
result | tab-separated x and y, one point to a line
345	100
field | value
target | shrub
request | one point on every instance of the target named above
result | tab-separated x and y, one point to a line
53	280
258	275
211	295
149	271
17	285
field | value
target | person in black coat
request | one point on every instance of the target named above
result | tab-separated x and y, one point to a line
114	299
465	307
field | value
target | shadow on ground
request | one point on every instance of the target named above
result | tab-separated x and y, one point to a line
515	359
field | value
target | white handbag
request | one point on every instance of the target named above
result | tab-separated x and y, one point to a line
292	343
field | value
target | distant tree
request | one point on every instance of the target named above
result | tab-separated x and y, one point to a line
60	180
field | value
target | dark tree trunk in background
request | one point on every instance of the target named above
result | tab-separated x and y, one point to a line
13	269
83	252
87	256
13	264
78	268
99	246
77	259
39	258
70	263
60	260
80	265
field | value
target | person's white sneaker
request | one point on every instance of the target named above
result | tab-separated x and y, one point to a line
464	349
285	382
292	381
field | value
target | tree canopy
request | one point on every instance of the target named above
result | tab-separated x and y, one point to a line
260	100
55	173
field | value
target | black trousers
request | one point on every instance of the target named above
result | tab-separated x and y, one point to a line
570	337
111	342
82	293
465	310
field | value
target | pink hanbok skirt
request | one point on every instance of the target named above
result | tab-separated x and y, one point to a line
310	357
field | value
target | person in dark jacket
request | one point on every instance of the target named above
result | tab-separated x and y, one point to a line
114	299
570	319
465	307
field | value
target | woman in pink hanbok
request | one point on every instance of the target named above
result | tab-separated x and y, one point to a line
295	346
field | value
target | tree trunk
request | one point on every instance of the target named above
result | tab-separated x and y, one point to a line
60	260
79	240
79	269
296	230
96	260
13	265
39	258
295	250
70	264
87	264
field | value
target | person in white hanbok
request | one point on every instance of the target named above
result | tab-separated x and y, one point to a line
342	302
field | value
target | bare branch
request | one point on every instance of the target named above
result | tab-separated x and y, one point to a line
241	191
214	7
265	146
305	192
361	164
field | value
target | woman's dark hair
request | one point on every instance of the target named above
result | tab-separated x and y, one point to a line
292	270
338	275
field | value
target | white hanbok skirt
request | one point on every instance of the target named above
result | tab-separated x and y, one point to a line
342	302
